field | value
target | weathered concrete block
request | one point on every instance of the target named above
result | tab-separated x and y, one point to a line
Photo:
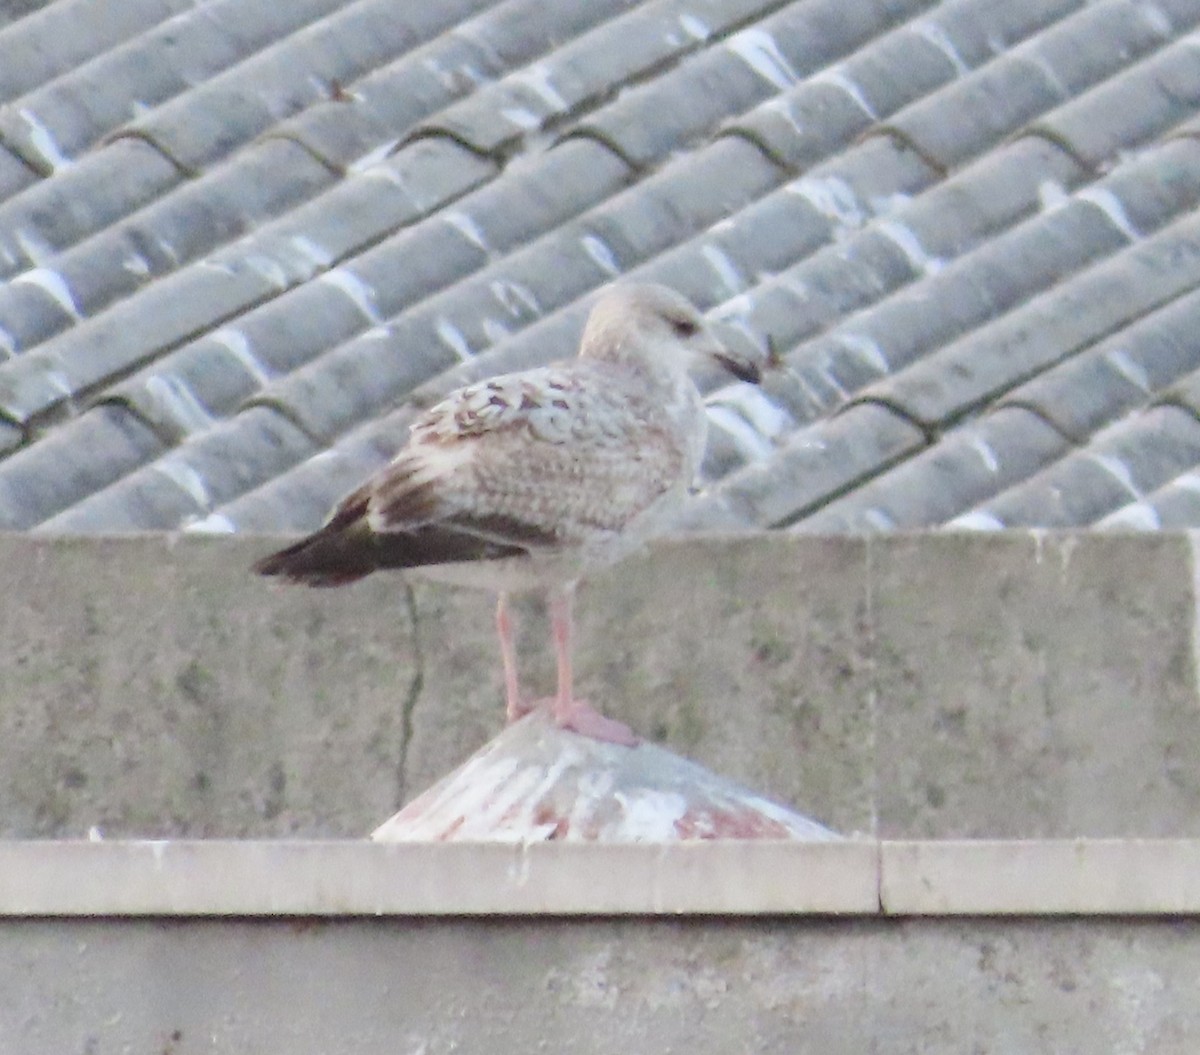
912	686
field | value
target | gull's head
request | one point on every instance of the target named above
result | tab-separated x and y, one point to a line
659	326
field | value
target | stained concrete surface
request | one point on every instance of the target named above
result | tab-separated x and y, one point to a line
791	987
924	686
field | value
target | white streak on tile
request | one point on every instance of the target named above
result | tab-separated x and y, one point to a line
986	454
451	336
1052	195
910	245
1118	470
55	285
179	401
977	520
1138	516
768	418
1132	371
865	349
184	477
837	77
35	247
515	297
238	344
834	198
937	36
1109	204
694	27
758	50
525	120
537	79
43	142
724	268
213	524
751	445
467	227
598	250
362	296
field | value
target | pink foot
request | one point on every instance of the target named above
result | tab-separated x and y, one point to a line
516	710
582	718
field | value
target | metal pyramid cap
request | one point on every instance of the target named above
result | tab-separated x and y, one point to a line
535	782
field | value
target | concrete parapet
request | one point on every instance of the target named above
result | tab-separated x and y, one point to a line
932	686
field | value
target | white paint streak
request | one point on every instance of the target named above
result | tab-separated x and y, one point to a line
695	27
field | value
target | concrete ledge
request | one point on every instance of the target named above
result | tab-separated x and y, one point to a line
1041	877
753	878
218	878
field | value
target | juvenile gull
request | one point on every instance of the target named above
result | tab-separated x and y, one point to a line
528	480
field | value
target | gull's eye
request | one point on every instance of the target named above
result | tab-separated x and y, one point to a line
683	328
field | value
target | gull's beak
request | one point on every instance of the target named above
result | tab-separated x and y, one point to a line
742	369
736	353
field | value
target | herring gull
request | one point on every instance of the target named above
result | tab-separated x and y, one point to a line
528	480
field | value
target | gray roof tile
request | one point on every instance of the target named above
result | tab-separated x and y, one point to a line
1144	101
1118	374
649	121
1173	506
264	180
185	483
814	466
255	241
67	33
73	461
804	123
986	365
1135	456
52	215
15	176
584	70
964	468
207	123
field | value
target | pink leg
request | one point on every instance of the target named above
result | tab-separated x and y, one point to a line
513	708
570	713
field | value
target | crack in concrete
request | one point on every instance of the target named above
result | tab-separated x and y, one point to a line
410	700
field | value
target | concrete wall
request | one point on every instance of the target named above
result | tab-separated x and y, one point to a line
800	986
926	686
